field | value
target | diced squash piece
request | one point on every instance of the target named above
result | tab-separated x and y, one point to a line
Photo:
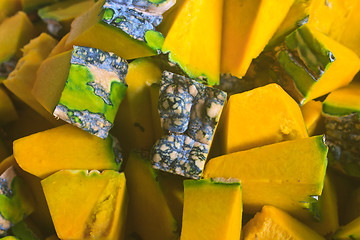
98	28
312	116
289	175
273	223
170	16
21	80
264	115
87	204
16	202
9	8
31	5
315	63
15	32
212	210
149	216
133	123
341	110
59	16
7	109
349	231
60	47
189	113
328	222
89	95
248	27
66	147
195	49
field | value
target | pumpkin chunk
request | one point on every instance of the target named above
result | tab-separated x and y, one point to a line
289	175
7	108
273	223
8	8
21	80
212	210
66	147
248	27
341	110
90	94
16	203
189	111
349	231
87	204
312	116
149	215
258	117
195	49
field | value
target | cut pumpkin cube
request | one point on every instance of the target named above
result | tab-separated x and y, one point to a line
195	49
189	112
289	175
87	204
85	89
21	80
212	210
248	27
66	147
312	116
149	215
261	116
273	223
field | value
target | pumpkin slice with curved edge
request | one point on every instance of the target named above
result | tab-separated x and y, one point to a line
341	110
7	109
133	122
66	147
289	175
15	32
261	116
312	116
87	204
212	210
273	223
314	64
106	26
196	49
59	16
349	231
16	202
21	80
85	90
149	215
248	27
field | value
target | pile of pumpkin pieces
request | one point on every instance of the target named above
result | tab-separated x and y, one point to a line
165	119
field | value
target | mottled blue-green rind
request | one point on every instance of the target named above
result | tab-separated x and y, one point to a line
189	112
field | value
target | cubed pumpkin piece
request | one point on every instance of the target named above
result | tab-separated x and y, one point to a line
87	204
59	16
289	175
273	223
21	80
89	91
311	112
248	27
349	231
261	116
66	147
315	64
212	210
15	32
197	50
16	202
123	27
341	110
149	215
189	112
133	123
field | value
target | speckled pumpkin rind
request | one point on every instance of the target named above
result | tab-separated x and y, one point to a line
189	111
93	91
15	201
135	19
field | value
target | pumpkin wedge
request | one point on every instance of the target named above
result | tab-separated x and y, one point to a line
289	175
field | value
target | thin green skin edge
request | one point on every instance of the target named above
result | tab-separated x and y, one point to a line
339	110
154	39
13	209
77	91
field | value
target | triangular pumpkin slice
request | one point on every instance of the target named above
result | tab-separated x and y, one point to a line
86	204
